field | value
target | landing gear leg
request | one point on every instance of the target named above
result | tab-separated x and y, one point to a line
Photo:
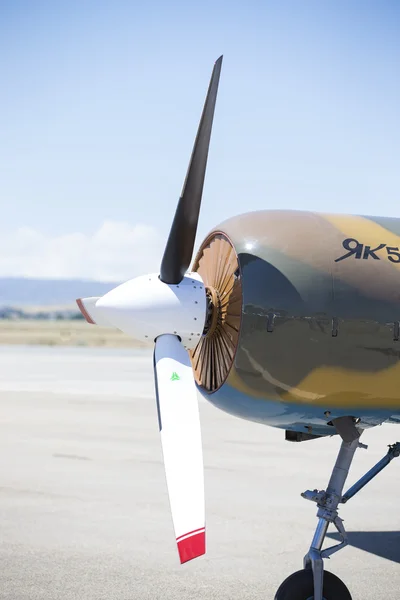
328	503
312	583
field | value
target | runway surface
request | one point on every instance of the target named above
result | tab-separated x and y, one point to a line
84	511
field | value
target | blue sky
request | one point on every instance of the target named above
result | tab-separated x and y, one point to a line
100	104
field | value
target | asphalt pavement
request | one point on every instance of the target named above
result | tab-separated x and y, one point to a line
84	511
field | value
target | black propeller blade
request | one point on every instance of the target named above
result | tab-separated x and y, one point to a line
179	249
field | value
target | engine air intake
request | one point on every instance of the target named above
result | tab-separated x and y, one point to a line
218	265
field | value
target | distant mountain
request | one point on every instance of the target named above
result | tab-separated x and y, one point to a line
20	291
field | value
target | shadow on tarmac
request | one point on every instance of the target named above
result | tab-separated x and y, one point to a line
382	543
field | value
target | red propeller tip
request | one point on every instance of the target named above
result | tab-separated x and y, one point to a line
192	545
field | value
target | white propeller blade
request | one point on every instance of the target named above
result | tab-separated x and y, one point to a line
179	422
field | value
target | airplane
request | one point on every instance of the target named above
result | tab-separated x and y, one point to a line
286	318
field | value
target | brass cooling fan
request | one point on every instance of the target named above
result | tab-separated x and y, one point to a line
218	265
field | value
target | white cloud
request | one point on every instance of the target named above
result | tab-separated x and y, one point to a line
116	252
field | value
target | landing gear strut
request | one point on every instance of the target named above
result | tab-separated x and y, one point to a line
312	583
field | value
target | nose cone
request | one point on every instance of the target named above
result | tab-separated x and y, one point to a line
145	308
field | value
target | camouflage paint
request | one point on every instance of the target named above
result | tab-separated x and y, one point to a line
316	335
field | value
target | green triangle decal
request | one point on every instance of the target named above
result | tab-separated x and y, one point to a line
175	376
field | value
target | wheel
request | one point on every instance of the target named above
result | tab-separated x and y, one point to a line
300	586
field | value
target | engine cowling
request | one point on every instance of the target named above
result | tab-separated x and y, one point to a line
304	309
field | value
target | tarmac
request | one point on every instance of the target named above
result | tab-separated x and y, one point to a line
84	512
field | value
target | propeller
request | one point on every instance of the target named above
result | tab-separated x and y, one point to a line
179	249
170	308
178	417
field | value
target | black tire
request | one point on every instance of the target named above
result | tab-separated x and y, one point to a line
300	586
